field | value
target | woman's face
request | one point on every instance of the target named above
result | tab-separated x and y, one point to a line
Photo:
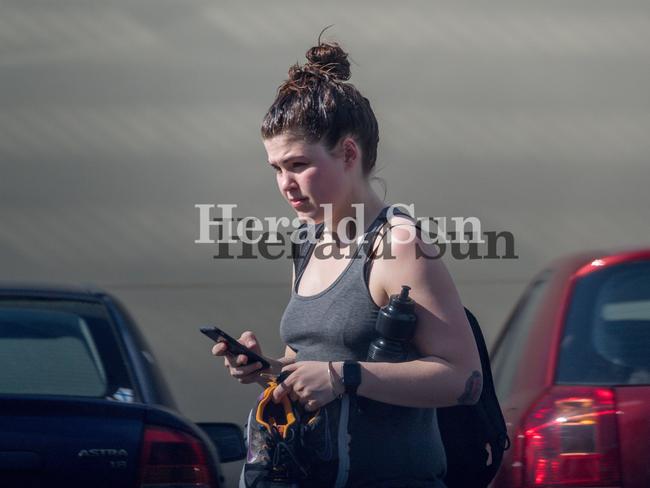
308	175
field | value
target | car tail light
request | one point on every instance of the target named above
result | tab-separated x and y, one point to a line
174	459
570	439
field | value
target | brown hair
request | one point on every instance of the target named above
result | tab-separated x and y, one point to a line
315	103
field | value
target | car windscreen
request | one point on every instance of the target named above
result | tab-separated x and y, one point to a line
61	347
606	338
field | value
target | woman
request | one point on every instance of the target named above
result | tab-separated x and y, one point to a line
321	139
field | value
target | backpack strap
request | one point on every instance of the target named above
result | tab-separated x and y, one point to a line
369	251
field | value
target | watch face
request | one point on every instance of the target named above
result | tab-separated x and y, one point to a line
351	376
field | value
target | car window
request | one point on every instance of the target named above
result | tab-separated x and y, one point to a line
507	355
61	347
606	338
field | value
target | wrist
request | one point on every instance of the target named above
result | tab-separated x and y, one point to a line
287	360
351	376
278	364
336	382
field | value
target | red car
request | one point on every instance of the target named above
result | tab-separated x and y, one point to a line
572	372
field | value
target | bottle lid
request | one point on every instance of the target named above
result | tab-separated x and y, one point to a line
402	302
404	294
397	320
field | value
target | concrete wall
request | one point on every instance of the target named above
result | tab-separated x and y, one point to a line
118	117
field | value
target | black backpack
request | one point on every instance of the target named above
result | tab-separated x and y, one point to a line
467	430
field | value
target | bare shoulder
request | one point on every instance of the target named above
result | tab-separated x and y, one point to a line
405	256
402	238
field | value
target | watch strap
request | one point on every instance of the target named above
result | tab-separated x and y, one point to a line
351	376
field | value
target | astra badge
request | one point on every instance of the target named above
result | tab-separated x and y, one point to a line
94	453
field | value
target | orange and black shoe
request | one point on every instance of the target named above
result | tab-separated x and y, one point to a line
274	444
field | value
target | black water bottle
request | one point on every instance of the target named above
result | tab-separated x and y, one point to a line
395	326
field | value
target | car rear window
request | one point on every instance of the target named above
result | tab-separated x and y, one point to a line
606	339
61	347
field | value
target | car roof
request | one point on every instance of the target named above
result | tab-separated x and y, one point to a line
572	262
51	290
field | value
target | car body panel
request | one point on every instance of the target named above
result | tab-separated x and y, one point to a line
633	403
56	440
535	372
69	442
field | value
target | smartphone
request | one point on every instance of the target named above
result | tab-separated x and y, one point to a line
234	347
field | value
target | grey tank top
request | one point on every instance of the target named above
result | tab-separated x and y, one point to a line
378	444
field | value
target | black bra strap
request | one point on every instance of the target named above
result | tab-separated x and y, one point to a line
300	251
371	238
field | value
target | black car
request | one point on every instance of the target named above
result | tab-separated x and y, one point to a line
83	403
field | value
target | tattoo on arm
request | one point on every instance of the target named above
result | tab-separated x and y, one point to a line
473	387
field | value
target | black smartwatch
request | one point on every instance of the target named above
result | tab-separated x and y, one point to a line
351	376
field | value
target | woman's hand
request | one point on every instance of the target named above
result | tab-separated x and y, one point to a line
237	365
309	383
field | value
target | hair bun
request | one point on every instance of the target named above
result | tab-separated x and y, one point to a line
330	59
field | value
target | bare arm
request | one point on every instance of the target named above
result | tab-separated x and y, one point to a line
449	371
